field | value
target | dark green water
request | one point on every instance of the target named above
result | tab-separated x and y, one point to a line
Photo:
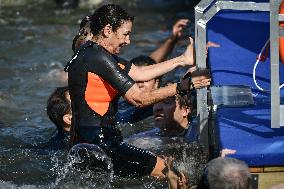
35	43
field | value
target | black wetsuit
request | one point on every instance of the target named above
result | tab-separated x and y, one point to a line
96	79
128	113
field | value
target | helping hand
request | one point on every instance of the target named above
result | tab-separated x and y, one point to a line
189	54
211	44
178	27
200	78
226	151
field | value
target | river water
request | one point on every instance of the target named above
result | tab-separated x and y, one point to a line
35	42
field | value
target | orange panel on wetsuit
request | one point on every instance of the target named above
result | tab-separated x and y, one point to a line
98	94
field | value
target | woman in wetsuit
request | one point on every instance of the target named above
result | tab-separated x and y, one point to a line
97	78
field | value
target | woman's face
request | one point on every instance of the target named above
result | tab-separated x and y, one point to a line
120	37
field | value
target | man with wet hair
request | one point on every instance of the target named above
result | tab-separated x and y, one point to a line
226	173
59	109
173	116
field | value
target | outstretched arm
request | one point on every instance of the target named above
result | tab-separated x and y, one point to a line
147	73
166	48
140	98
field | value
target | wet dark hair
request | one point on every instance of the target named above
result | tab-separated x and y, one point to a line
74	43
187	100
85	20
109	14
78	41
143	61
57	106
84	30
183	101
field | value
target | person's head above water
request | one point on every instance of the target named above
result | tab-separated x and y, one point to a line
84	33
59	109
79	40
141	61
85	22
111	26
173	114
224	173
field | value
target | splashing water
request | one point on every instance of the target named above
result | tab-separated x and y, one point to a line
87	165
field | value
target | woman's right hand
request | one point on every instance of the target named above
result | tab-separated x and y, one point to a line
189	54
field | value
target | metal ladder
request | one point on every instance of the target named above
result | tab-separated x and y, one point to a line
204	11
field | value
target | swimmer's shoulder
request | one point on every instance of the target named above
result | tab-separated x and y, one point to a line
94	48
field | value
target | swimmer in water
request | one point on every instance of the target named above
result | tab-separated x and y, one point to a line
58	109
84	33
132	114
96	79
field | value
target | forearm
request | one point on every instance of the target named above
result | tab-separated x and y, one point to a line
157	95
164	50
147	73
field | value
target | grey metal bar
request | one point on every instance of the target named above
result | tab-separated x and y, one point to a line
220	5
234	5
201	93
274	63
202	110
199	11
201	7
209	14
200	36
